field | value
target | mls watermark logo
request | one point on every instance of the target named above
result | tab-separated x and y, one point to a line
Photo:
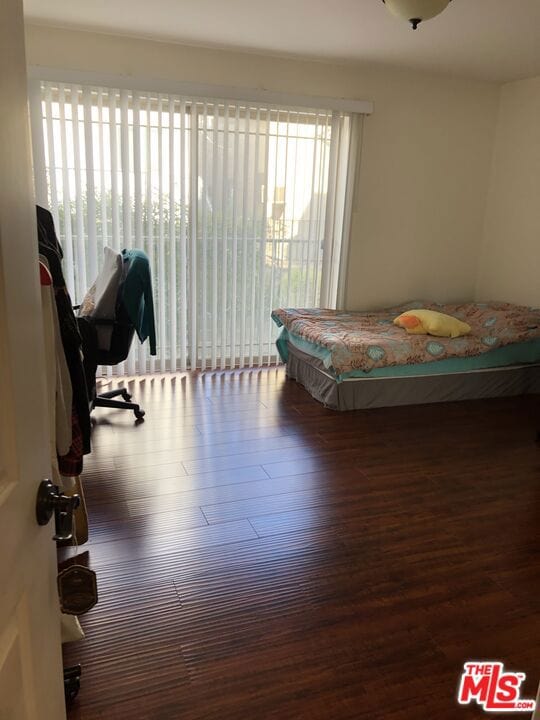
492	687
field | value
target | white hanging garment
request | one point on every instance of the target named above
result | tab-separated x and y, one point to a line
59	387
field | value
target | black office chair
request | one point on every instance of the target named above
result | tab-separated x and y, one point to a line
121	339
119	344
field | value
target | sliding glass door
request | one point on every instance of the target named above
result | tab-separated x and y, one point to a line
234	203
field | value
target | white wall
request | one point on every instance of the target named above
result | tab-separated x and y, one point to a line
509	268
427	150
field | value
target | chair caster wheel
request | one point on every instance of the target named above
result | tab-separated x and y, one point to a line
139	414
126	395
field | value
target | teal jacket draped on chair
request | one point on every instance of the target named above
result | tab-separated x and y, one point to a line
137	296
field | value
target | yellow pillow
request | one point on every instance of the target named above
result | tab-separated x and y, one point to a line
430	322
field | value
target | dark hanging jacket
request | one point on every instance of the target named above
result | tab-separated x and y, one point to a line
49	246
137	296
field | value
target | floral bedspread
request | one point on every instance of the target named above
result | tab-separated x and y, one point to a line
368	340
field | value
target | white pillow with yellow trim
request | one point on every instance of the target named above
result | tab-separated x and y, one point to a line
431	322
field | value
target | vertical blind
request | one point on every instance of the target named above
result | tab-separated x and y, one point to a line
240	207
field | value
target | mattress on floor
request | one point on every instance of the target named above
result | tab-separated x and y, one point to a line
523	353
371	391
356	344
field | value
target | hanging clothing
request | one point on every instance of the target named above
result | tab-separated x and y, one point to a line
71	464
137	296
50	248
59	404
58	380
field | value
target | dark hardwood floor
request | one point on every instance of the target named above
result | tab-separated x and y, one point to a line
260	557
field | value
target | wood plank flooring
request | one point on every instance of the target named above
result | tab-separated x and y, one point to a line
260	557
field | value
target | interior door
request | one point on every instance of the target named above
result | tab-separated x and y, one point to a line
31	684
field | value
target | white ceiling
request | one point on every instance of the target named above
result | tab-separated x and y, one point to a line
488	39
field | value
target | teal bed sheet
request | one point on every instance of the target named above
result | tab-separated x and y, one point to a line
515	354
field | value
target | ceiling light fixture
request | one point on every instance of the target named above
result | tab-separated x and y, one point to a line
415	11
